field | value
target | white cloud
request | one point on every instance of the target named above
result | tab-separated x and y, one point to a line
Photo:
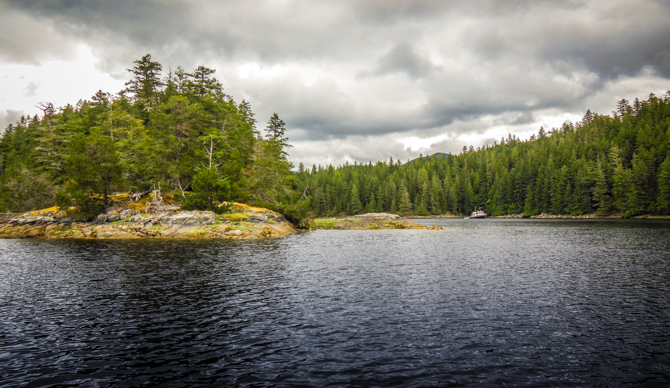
60	82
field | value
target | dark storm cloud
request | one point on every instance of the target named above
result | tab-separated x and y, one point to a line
618	39
403	58
26	40
188	31
623	53
383	66
144	21
523	118
107	25
391	11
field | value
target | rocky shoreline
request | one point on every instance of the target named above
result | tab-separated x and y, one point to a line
584	216
370	221
134	220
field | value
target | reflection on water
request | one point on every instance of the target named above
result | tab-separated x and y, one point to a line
483	303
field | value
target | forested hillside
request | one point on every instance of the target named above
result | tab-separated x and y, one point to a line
616	164
180	133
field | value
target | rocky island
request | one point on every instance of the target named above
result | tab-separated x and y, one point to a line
128	218
370	221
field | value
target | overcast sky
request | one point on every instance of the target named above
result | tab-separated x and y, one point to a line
353	80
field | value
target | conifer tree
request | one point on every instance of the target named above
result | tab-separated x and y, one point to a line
663	198
436	195
355	201
147	82
404	202
601	192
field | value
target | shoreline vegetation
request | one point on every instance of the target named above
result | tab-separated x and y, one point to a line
369	221
149	218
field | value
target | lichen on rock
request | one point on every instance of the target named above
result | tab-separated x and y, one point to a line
127	219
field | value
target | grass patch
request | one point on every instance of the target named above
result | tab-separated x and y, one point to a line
233	217
336	223
247	226
325	223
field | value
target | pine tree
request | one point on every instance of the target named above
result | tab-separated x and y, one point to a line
269	183
601	192
210	192
404	203
621	188
663	198
355	204
371	207
147	82
436	195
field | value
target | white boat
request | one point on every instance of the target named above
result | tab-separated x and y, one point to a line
477	214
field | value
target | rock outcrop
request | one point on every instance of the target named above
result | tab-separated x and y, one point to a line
133	220
370	221
379	216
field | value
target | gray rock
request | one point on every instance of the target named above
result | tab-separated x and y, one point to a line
378	216
33	220
258	218
189	218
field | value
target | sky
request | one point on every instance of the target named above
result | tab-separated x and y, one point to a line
353	80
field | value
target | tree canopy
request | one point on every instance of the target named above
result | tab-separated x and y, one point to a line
616	164
180	132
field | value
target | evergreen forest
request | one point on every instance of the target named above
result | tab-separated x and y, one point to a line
614	164
180	133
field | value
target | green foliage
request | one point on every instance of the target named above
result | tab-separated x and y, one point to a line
156	132
79	204
299	213
22	188
210	192
355	202
663	200
93	165
271	181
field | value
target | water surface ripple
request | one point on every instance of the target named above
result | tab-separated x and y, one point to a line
484	303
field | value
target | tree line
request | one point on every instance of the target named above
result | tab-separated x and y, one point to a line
604	164
180	133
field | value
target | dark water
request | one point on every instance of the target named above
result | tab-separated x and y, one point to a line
486	303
